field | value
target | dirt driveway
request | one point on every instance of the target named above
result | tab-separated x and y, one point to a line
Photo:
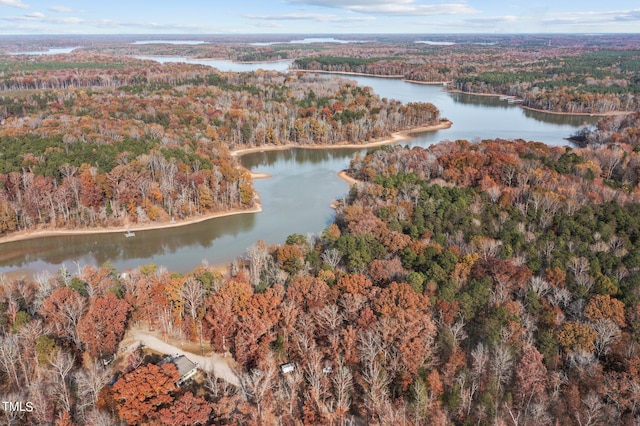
221	366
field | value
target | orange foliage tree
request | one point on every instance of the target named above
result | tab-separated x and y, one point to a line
101	329
140	394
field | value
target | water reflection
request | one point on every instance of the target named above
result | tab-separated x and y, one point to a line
261	159
468	99
578	120
296	198
151	246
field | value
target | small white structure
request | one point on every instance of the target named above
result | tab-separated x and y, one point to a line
287	368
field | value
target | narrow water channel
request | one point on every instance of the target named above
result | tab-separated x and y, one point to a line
295	199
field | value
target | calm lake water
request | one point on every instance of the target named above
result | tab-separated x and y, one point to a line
224	65
295	199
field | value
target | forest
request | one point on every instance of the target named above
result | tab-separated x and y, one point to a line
569	76
467	283
493	282
121	141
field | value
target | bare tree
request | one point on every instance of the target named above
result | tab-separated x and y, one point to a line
89	381
342	389
375	378
61	366
591	410
43	407
331	257
45	285
97	417
257	384
9	355
607	331
480	357
314	377
256	255
539	286
501	364
578	265
193	294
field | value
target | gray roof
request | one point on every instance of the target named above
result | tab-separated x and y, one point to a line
183	364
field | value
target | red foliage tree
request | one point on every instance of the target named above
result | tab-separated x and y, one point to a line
140	394
101	329
186	410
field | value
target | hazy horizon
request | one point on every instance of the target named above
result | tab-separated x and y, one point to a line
75	17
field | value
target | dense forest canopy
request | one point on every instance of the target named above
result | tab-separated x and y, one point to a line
491	282
488	282
123	141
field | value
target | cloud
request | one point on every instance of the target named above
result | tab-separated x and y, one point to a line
60	9
14	3
493	20
268	24
339	4
42	18
591	18
319	17
393	7
113	24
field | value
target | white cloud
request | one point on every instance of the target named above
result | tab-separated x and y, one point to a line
349	3
393	7
14	3
268	24
60	9
42	18
591	18
319	17
493	20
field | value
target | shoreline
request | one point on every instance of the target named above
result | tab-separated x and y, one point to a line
342	174
364	74
361	74
428	83
395	137
494	95
589	114
44	233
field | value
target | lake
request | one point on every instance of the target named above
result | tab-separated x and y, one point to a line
296	198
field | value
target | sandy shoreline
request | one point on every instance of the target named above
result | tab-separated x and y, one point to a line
427	83
396	137
364	74
361	74
344	176
32	234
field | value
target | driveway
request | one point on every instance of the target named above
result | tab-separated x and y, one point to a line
215	363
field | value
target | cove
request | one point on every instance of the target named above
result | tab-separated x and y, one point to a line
295	199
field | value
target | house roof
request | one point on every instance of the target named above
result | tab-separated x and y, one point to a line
182	363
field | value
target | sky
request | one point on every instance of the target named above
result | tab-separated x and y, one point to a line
317	16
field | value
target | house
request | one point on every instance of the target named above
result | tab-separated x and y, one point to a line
186	368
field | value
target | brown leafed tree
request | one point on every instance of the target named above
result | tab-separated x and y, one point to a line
140	394
102	327
186	410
